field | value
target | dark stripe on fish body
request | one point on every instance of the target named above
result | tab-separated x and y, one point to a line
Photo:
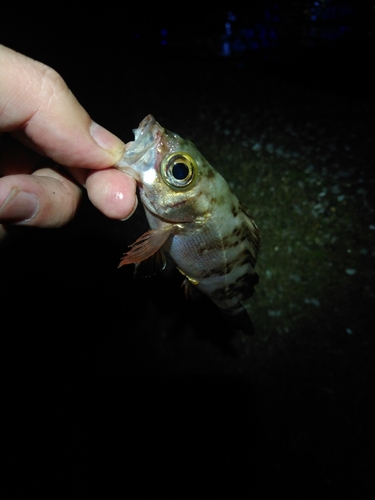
214	247
226	267
210	174
247	258
234	211
243	286
238	231
230	241
235	243
216	271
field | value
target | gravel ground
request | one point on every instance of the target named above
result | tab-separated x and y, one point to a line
113	381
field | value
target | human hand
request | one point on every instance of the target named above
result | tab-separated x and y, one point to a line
43	127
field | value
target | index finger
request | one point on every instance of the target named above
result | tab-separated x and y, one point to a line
39	109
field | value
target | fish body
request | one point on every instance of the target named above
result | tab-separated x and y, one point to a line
194	216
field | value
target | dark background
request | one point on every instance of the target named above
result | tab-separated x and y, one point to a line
112	383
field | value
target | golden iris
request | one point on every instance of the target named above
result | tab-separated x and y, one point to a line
178	170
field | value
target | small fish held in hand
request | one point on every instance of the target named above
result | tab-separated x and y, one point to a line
195	217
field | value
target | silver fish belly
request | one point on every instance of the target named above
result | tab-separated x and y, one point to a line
195	217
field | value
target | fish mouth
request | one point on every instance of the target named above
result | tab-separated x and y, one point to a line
141	152
145	125
144	129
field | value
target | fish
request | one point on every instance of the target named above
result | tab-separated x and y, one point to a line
195	217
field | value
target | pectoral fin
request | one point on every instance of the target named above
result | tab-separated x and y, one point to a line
151	266
146	246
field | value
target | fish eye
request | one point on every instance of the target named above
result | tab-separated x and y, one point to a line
178	170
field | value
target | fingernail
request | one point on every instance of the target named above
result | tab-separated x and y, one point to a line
106	140
19	207
134	209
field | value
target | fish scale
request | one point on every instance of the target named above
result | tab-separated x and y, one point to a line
195	217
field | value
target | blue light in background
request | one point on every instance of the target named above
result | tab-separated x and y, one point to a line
226	49
235	34
239	39
164	37
320	21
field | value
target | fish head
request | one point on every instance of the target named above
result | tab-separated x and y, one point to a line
173	177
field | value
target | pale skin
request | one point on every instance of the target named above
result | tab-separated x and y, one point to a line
42	129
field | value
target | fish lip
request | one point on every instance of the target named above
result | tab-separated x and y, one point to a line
146	123
138	153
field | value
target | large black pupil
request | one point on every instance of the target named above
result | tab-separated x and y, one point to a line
180	171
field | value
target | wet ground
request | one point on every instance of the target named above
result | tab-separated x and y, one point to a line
115	382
